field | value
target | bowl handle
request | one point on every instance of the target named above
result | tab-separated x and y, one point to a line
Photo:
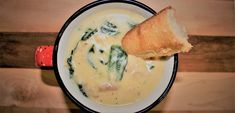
43	56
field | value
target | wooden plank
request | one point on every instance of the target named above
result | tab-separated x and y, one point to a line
192	91
17	49
209	54
201	17
26	87
201	91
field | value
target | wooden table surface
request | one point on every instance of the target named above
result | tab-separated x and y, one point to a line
205	80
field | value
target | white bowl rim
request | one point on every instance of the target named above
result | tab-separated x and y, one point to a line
75	15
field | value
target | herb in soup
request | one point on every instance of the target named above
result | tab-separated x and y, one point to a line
131	24
117	61
103	62
150	65
101	50
82	90
90	56
69	60
88	33
109	28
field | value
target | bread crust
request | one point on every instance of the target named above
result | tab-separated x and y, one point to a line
155	37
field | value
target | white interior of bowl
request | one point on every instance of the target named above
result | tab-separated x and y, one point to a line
72	86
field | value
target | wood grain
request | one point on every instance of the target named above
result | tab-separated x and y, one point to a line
201	17
192	91
205	81
209	54
17	49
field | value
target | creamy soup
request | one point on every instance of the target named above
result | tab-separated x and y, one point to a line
104	72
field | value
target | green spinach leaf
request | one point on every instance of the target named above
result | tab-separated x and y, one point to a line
109	28
117	61
88	34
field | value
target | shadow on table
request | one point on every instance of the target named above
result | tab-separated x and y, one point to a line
48	77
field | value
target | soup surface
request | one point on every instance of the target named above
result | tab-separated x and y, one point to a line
104	72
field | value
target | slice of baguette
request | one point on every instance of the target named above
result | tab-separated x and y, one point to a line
158	36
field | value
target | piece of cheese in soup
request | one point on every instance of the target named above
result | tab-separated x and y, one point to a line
104	72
